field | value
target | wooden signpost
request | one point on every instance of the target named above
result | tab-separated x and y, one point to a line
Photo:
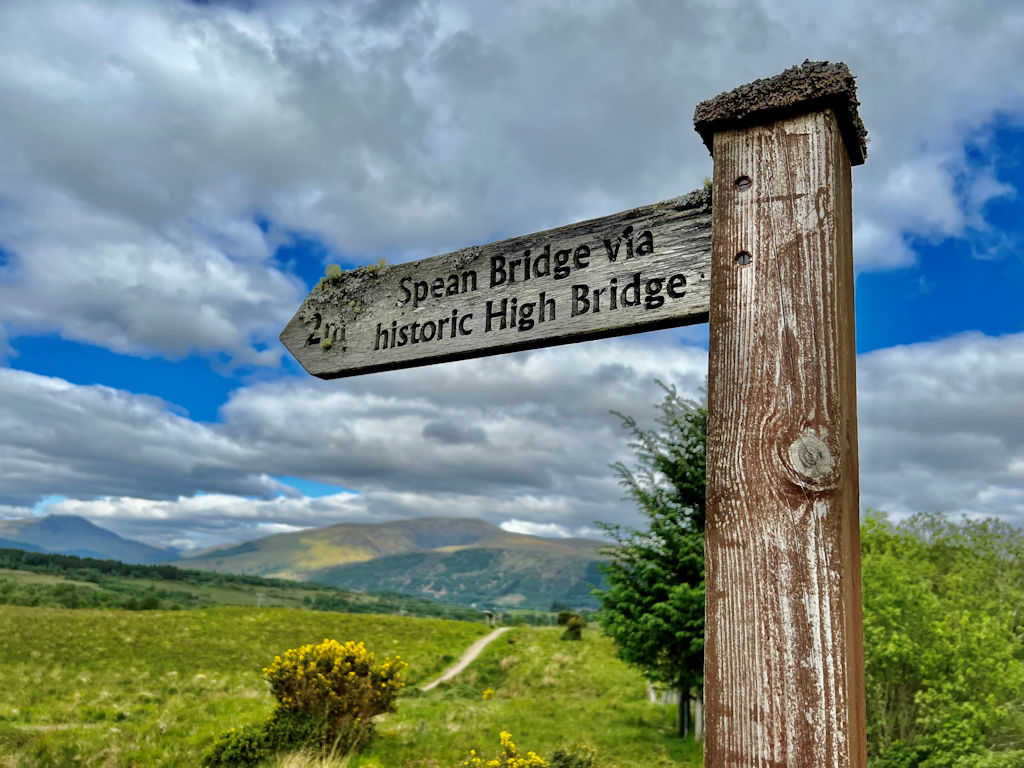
770	265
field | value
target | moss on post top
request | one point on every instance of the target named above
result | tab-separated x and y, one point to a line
812	86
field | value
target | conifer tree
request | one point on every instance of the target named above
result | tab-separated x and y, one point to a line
654	604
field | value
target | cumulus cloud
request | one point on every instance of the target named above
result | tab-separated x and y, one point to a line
96	441
210	519
548	530
942	427
149	172
526	437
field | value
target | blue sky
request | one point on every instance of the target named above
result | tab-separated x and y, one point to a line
169	193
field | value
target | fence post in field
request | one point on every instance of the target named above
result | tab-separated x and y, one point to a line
784	672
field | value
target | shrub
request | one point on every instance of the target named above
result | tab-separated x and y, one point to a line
326	696
239	746
574	628
581	757
1014	759
510	757
336	686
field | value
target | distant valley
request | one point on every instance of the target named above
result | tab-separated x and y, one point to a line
462	561
459	561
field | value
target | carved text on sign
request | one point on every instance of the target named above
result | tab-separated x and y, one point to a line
637	270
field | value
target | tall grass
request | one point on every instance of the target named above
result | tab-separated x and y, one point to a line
113	689
549	694
123	688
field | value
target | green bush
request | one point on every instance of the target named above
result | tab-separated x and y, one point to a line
326	696
237	747
1014	759
574	628
581	757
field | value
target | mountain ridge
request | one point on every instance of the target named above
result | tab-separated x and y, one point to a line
457	560
50	533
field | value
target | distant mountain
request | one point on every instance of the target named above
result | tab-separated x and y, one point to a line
10	544
489	577
298	555
72	535
456	560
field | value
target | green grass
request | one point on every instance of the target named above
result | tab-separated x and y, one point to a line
186	595
112	689
126	688
549	694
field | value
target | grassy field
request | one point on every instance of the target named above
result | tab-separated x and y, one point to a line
64	581
130	688
123	688
186	595
549	694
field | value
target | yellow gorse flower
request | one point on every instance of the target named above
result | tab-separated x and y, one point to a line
336	678
511	757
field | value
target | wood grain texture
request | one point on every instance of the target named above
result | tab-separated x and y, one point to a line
784	658
650	265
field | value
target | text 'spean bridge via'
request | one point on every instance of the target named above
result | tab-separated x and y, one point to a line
642	269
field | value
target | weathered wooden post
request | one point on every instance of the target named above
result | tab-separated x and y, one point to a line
784	656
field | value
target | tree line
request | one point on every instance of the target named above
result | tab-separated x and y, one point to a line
93	583
943	608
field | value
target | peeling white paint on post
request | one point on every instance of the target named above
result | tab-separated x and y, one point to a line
641	269
783	654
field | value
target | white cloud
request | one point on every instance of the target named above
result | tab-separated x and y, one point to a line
146	147
80	441
548	530
142	142
526	437
942	427
195	522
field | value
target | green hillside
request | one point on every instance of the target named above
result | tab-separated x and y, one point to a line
506	578
71	535
297	555
462	561
66	581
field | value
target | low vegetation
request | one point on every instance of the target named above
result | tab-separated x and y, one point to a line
327	696
119	688
66	581
127	688
554	697
944	652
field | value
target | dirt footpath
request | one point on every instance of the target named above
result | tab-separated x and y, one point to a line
467	658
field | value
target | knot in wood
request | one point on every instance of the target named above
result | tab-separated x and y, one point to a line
810	457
